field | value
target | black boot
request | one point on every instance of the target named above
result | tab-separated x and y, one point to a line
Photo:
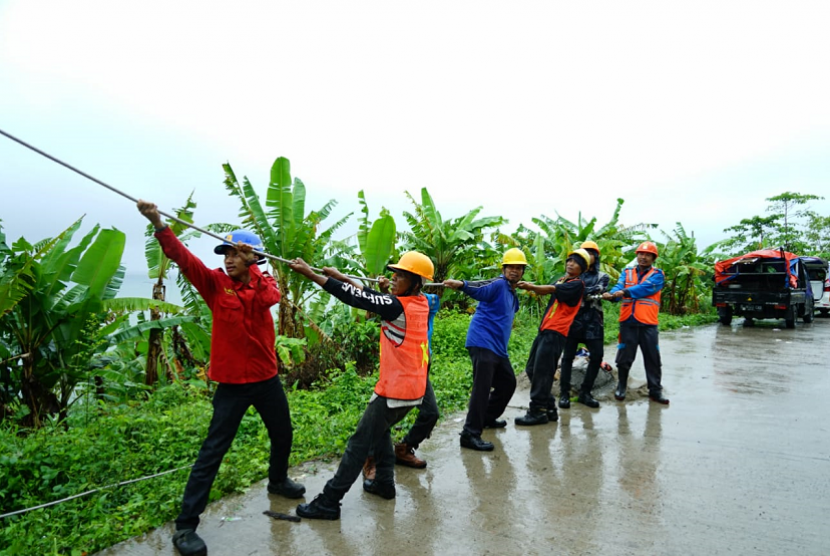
384	490
564	401
188	543
287	488
322	507
474	442
553	416
658	397
532	418
585	398
622	384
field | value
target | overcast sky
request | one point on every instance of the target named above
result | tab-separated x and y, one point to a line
692	112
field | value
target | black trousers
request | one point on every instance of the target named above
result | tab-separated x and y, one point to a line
644	337
494	382
596	350
427	418
230	403
541	367
372	434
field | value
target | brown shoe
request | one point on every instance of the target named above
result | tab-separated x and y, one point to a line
369	469
405	455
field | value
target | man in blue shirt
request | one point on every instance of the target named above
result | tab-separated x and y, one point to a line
487	340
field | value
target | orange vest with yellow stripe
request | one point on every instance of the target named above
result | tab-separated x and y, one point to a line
644	309
403	368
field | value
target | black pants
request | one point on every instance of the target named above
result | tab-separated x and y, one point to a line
427	418
230	403
646	338
541	367
490	372
372	433
595	348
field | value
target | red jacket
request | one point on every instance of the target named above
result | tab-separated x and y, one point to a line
243	338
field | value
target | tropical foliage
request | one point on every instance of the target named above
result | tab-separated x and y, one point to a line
790	224
84	372
454	245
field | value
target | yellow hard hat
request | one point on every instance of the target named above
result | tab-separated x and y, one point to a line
514	256
586	256
589	245
416	263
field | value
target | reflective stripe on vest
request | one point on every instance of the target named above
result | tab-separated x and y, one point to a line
645	309
403	368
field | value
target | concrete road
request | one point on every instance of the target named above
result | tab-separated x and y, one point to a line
739	463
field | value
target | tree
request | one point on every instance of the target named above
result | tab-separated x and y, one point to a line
449	243
158	266
785	205
685	269
287	232
752	233
52	297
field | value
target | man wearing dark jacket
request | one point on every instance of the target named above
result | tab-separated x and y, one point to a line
565	297
587	328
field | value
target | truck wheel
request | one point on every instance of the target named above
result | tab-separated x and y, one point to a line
725	315
824	312
748	322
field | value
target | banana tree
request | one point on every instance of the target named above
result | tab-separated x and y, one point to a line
558	237
685	269
451	244
286	232
377	242
52	298
158	267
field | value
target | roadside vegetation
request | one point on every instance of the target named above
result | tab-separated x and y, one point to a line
96	389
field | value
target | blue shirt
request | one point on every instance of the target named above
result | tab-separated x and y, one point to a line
434	304
493	320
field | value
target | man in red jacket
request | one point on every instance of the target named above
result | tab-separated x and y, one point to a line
242	361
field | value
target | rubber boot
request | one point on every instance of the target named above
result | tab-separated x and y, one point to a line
622	384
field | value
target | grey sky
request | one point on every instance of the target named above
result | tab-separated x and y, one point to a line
692	113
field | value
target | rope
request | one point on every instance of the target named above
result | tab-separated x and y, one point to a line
56	502
170	216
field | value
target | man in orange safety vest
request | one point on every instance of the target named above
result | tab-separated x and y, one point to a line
639	289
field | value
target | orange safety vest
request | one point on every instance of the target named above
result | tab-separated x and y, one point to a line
403	368
560	316
644	309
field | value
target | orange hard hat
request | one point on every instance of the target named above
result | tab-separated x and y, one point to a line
589	245
647	247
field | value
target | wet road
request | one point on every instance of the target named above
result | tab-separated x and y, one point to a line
739	463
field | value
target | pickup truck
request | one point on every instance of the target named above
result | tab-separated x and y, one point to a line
764	284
